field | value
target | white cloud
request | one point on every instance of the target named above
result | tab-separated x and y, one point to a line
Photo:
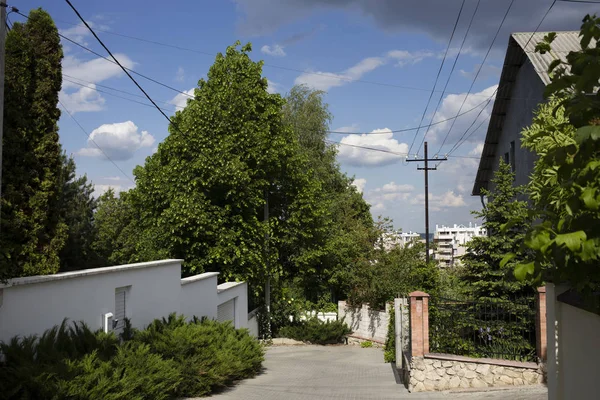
440	202
350	128
83	100
477	150
359	184
275	50
119	141
95	70
449	109
180	75
380	198
86	99
381	139
180	101
326	80
404	57
274	87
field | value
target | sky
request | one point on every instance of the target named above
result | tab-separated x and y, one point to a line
377	61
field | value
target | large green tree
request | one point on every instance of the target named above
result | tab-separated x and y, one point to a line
482	269
201	197
33	229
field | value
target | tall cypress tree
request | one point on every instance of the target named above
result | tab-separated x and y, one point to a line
33	231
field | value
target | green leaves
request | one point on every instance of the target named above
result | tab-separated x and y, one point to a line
524	271
587	132
571	240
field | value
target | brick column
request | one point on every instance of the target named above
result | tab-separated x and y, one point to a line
540	324
419	323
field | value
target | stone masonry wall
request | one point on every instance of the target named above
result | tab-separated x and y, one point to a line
429	374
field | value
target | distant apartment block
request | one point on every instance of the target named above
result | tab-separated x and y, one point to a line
451	242
403	239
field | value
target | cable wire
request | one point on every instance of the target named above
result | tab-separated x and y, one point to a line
437	107
477	74
438	73
457	145
119	64
96	144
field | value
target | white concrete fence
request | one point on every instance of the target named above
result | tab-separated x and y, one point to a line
366	323
104	297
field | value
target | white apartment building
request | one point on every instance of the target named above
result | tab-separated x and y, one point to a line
402	239
451	242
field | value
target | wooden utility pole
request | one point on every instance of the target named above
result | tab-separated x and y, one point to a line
427	169
2	57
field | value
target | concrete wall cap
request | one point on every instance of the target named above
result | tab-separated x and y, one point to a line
541	289
418	293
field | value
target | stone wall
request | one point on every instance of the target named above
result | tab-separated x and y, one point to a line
443	372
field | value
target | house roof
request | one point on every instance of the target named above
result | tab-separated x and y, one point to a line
516	55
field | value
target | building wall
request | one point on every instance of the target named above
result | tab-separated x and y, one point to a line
573	350
34	304
237	291
199	295
365	323
528	91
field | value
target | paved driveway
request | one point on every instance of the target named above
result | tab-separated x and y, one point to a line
342	372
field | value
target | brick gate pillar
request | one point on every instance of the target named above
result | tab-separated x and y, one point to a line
540	324
419	323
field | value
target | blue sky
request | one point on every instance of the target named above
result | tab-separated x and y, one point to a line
364	54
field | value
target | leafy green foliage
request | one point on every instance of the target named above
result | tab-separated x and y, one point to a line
391	272
77	205
315	331
565	185
483	270
169	359
389	350
33	229
366	344
133	373
34	366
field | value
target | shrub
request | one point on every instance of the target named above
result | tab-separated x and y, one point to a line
209	354
366	344
389	349
34	365
316	331
133	373
171	358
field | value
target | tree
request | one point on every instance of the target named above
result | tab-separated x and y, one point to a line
33	229
201	196
482	268
565	187
78	205
349	234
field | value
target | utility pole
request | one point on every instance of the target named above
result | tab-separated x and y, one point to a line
268	280
2	57
427	169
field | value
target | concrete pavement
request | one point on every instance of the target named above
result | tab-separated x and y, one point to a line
342	372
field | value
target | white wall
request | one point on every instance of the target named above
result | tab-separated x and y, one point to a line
34	304
364	322
237	291
199	295
253	323
573	351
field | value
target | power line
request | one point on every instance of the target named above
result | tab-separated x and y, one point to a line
119	64
580	1
455	147
113	62
451	71
438	74
116	95
96	144
414	128
478	71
